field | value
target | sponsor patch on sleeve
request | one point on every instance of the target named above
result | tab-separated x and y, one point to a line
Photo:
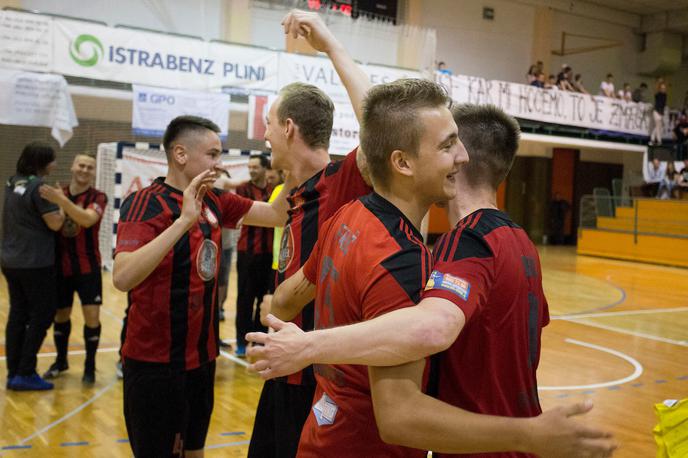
448	282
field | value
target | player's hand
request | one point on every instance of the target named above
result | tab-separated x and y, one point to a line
53	194
265	307
310	26
556	434
193	196
279	353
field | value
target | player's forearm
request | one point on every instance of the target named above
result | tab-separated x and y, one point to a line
395	338
82	216
292	296
426	423
352	75
132	268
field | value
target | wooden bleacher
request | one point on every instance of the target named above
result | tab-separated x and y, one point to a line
649	230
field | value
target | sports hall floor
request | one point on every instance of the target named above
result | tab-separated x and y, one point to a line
618	336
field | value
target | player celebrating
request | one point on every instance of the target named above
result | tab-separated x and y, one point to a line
78	263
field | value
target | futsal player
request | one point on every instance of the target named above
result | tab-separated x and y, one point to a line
78	263
485	288
299	126
167	259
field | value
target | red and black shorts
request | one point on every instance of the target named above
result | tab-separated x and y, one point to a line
167	410
89	287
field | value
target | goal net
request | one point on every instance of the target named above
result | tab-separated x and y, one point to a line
124	167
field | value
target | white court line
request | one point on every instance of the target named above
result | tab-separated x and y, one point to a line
70	414
574	316
636	373
73	352
682	343
231	357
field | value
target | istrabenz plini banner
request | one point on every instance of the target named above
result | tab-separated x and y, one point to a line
115	54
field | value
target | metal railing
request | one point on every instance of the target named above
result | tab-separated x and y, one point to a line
638	216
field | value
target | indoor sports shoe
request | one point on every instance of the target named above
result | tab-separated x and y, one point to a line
55	369
89	378
118	370
29	383
240	351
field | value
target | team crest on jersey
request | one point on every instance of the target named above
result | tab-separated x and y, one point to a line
448	282
325	410
206	260
286	252
70	228
210	217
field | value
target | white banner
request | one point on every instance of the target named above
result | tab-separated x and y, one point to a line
552	106
320	72
130	56
26	41
139	168
153	108
37	99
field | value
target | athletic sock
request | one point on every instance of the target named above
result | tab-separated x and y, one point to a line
61	333
91	339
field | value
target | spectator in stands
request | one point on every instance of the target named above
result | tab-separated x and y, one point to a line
539	81
442	68
681	137
638	95
625	94
683	178
669	182
29	223
534	71
658	114
578	84
564	79
551	83
655	171
607	87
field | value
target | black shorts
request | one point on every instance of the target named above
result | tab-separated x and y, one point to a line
282	412
89	287
166	410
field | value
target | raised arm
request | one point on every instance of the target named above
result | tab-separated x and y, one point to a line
406	416
397	337
313	29
131	268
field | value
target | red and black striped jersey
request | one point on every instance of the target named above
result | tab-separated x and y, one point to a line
369	260
488	267
255	239
311	204
78	246
173	316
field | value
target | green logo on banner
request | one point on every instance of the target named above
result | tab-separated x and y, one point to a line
86	50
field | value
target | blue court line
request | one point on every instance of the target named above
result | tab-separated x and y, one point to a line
660	381
588	392
122	441
228	444
234	433
15	447
70	414
614	388
73	444
683	377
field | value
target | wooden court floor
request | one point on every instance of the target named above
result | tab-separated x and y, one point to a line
618	336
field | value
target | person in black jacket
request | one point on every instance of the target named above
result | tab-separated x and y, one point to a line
28	263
